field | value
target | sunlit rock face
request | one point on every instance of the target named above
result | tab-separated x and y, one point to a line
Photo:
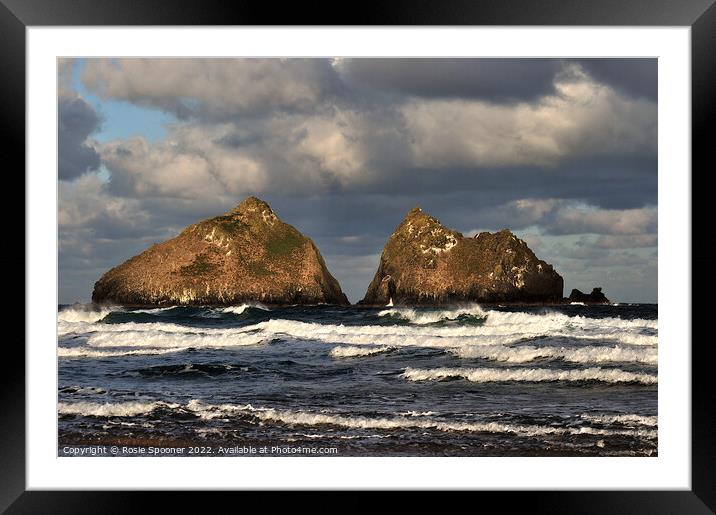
245	255
425	263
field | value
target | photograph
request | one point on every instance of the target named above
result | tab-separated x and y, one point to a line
357	257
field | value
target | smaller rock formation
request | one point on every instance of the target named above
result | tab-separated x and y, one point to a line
596	297
425	263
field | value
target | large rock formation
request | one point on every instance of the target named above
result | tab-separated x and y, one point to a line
424	263
596	297
245	255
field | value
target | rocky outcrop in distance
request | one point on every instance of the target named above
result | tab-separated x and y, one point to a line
425	263
245	255
596	297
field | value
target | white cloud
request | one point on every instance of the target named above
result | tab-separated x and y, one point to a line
86	204
350	147
300	134
604	221
583	119
613	241
212	88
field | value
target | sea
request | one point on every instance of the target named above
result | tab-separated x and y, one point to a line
248	380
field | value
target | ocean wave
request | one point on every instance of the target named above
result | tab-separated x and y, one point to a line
153	311
425	317
588	354
304	418
82	390
107	409
628	419
83	314
238	310
163	339
84	352
498	328
492	375
453	336
550	319
410	420
351	352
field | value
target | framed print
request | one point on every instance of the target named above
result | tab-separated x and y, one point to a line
426	251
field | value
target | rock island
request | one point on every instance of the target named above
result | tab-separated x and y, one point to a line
425	263
245	255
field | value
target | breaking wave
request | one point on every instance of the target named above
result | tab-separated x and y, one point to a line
238	310
83	313
455	336
494	329
84	352
424	317
158	338
120	409
410	420
351	352
628	419
589	354
493	375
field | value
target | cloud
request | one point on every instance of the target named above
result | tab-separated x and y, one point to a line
346	148
604	221
77	119
86	205
582	119
495	80
613	241
632	77
620	228
213	88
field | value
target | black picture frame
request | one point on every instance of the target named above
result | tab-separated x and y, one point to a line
700	15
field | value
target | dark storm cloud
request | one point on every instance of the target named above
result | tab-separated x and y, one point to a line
498	80
614	183
76	121
633	77
495	80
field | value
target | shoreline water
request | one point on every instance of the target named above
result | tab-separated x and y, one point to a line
567	380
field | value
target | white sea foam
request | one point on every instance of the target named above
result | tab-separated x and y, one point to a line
490	375
84	352
237	310
121	409
174	335
162	339
423	317
83	313
165	327
351	352
416	420
455	336
498	328
587	354
303	418
548	319
625	419
153	310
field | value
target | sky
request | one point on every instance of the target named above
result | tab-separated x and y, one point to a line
561	151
